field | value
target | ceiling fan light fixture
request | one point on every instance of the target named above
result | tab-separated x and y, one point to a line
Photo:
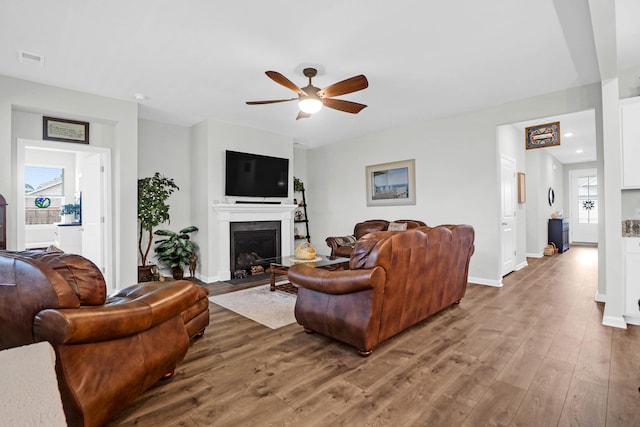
310	105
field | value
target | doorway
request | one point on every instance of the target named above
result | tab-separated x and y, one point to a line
90	176
583	206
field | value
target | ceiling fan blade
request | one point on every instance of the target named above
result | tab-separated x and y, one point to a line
346	106
303	115
282	80
353	84
271	101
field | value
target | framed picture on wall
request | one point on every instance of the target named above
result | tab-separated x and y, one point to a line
391	183
522	188
64	130
541	136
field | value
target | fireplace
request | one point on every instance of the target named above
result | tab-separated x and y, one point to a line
229	213
252	243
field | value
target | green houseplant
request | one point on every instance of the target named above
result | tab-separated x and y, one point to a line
153	210
70	209
176	250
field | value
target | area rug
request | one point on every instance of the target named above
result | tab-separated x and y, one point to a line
272	309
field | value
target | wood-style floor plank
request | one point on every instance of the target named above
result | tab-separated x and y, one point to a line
532	353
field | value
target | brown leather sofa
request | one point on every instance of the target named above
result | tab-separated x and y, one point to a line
109	350
342	246
395	280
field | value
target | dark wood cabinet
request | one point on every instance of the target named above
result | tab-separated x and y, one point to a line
559	233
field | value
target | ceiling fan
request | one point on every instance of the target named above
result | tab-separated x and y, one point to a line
311	98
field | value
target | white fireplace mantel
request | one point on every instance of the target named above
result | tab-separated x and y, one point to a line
243	212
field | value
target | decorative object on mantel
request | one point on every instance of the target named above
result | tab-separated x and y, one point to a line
64	130
305	251
540	136
153	210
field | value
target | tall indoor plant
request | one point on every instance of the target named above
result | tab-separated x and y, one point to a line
153	210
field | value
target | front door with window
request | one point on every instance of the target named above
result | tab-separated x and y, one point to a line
584	206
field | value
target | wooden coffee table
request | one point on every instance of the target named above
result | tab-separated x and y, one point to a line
281	265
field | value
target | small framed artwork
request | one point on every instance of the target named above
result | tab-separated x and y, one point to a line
540	136
391	183
64	130
522	188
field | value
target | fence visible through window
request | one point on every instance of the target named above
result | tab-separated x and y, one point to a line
43	194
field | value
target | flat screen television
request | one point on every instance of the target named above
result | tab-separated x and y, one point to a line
255	175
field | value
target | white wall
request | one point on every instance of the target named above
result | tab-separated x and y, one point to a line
113	125
457	173
166	148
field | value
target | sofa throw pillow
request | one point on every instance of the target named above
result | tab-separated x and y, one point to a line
397	226
349	241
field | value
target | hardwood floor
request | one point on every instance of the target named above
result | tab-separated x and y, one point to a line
532	353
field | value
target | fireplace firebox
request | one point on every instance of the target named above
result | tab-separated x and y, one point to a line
252	244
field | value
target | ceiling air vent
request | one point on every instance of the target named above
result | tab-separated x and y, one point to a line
30	58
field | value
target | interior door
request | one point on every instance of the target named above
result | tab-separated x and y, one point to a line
91	185
508	214
583	224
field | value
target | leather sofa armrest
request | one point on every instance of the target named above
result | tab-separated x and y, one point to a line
336	282
119	318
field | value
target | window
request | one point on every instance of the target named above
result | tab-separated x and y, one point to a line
43	194
587	200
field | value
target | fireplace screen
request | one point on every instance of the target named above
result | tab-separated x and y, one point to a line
253	244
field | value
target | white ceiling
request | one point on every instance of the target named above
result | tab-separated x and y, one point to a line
200	59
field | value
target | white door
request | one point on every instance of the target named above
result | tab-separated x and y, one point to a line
91	185
508	213
583	223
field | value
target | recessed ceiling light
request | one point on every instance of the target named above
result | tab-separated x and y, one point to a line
579	151
568	134
140	97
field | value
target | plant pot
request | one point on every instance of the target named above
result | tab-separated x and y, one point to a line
147	273
177	273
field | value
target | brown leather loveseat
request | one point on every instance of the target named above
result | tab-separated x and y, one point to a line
395	280
342	246
108	350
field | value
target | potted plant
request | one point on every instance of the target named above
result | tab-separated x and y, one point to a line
153	210
70	209
176	251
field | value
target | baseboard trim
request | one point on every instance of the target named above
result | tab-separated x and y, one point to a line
632	320
521	266
485	282
535	255
600	297
614	321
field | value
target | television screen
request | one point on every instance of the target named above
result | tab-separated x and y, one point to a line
254	175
